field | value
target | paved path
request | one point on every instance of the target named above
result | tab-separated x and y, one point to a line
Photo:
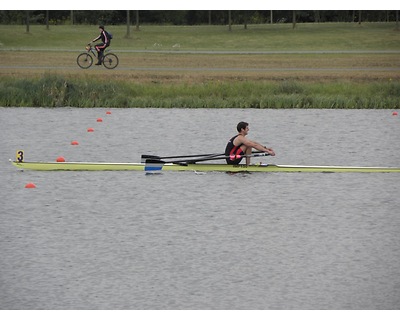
209	69
220	51
217	53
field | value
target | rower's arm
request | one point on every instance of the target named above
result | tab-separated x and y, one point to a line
258	146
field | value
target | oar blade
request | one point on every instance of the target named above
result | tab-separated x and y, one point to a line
153	166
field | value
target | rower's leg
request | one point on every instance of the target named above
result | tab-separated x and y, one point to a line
248	153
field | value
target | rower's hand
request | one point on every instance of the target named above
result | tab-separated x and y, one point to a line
270	151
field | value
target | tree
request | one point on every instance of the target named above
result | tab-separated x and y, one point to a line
193	17
294	19
317	16
47	20
128	24
27	20
137	20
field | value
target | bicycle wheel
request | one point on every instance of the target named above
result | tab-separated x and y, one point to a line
84	60
110	61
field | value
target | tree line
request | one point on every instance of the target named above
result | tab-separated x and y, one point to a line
192	17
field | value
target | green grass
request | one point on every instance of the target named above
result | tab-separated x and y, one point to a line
276	37
57	91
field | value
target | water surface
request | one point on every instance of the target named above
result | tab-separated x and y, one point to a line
181	240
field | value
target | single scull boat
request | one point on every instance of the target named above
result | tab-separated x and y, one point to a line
151	163
104	166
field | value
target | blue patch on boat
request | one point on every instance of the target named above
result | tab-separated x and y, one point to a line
152	167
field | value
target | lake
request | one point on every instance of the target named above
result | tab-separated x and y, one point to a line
184	240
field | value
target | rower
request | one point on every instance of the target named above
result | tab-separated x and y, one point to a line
239	146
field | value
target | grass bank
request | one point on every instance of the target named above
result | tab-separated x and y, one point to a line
60	91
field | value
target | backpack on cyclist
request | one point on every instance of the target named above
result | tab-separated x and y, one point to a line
109	35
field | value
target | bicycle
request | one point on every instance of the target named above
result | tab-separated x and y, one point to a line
85	59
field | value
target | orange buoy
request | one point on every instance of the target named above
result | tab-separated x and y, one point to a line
30	185
99	120
394	113
108	112
90	130
74	143
60	159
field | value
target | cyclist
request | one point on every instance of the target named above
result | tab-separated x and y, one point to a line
106	41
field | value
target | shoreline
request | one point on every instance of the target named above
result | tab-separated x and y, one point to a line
54	90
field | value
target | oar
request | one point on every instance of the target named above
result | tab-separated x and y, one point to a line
208	155
158	162
148	156
255	154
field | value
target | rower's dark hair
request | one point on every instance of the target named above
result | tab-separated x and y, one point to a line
241	125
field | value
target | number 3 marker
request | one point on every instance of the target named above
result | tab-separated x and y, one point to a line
20	156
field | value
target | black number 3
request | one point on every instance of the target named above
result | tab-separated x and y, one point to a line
20	156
